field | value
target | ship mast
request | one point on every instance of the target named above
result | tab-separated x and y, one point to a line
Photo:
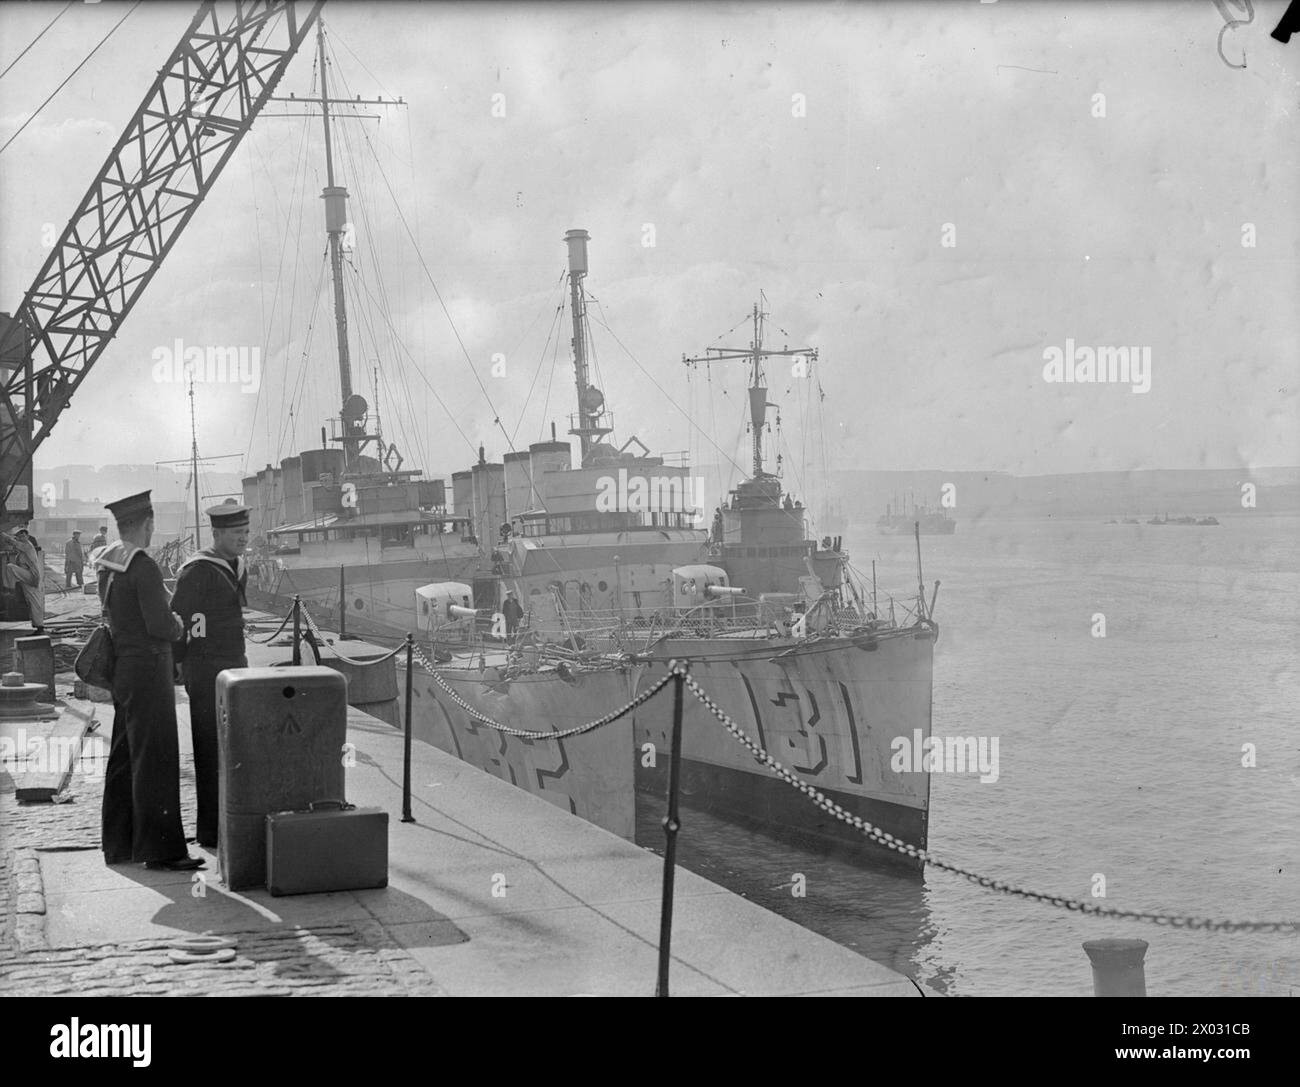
336	214
353	408
754	355
590	421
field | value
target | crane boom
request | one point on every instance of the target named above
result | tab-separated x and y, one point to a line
165	162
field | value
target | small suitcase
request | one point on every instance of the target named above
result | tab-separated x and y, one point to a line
332	847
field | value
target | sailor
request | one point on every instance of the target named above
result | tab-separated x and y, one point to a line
513	612
100	539
142	790
211	593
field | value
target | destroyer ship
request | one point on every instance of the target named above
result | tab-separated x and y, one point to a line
773	629
610	553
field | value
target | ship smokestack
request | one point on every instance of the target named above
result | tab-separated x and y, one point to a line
577	240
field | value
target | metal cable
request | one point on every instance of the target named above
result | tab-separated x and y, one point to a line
577	730
311	625
1001	886
272	637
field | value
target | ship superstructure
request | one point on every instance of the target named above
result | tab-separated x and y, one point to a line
617	586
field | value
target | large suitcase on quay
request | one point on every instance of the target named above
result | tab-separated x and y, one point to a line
332	847
280	733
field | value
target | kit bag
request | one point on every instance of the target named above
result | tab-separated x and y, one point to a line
96	661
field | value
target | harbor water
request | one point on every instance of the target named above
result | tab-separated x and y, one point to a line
1120	759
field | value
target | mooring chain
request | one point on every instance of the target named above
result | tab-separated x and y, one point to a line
577	730
272	637
320	635
1001	886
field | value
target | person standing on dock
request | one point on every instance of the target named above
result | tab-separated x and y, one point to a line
100	539
142	784
211	594
74	561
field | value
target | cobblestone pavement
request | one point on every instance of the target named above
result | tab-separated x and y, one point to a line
346	958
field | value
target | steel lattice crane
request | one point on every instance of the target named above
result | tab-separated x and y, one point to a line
165	162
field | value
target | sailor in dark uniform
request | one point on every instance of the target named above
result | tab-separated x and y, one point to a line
142	791
211	593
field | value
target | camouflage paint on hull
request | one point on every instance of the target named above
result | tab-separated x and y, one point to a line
827	710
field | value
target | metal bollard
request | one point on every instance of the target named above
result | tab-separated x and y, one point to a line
1117	968
34	657
297	631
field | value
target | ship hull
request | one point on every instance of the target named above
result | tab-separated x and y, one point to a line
829	717
828	713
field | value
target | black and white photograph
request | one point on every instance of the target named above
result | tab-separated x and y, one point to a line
651	499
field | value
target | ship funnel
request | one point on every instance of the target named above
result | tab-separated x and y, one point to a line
577	240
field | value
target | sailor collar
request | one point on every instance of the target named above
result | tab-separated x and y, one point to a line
116	556
208	555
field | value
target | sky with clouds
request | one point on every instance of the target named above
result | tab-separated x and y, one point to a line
1092	167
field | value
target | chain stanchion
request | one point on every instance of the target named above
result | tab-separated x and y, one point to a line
270	638
672	824
297	631
316	633
343	604
407	817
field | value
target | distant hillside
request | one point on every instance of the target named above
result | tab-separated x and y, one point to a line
1093	494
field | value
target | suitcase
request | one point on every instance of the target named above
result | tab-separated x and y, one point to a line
280	733
332	847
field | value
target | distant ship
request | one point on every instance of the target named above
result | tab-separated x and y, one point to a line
899	519
1184	520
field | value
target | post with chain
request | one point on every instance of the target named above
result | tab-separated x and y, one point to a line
297	631
343	605
672	824
407	817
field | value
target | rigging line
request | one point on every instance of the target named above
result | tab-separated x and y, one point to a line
541	361
334	37
661	389
442	304
288	420
743	320
550	380
69	76
261	270
401	344
441	403
368	328
287	218
37	38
